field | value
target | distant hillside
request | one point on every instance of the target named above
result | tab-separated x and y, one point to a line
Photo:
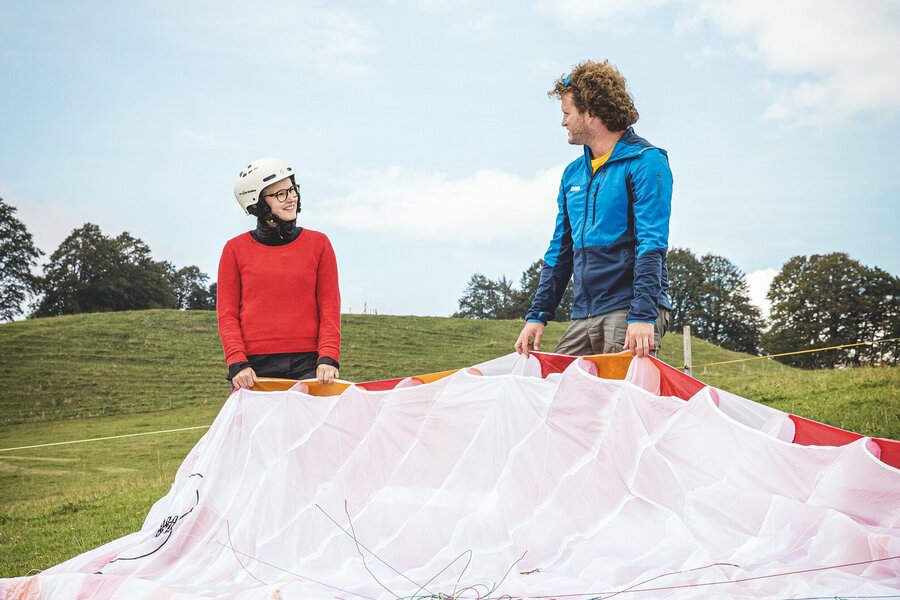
146	361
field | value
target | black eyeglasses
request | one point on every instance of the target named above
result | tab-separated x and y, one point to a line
282	195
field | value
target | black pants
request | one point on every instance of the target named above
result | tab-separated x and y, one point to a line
292	365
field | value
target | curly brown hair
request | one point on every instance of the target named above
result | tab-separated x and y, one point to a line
599	89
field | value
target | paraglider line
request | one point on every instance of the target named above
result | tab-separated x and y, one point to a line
438	574
495	587
628	589
283	570
233	551
330	518
505	575
362	556
631	590
844	597
456	591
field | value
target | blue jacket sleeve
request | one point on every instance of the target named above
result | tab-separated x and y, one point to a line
557	269
651	182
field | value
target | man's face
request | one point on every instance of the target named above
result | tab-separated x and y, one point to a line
287	210
574	121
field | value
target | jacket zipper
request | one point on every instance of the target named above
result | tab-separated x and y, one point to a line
596	190
587	198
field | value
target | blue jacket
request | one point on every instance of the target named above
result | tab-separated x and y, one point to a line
612	231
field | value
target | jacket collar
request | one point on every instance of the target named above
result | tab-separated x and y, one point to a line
628	146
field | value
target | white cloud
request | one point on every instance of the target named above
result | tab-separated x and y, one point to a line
836	52
759	282
489	206
208	141
483	25
343	41
608	15
469	16
833	55
438	6
296	33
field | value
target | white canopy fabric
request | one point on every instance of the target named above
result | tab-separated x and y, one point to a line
514	483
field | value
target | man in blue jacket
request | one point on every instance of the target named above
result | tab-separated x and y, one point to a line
612	227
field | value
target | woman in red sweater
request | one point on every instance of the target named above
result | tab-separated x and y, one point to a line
278	302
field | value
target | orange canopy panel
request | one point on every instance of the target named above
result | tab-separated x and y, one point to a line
611	366
429	377
314	388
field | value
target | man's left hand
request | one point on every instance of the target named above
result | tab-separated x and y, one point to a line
326	373
639	339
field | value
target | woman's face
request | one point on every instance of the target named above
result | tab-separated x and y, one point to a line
273	195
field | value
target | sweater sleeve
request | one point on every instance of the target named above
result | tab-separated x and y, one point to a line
228	306
328	300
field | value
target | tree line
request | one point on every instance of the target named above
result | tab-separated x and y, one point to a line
484	298
91	272
816	301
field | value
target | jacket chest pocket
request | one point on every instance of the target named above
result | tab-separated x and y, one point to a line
576	206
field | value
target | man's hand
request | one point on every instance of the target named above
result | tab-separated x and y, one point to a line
245	378
639	339
326	373
531	331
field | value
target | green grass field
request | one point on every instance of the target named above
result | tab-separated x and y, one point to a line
88	376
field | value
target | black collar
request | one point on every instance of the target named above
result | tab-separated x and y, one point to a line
272	231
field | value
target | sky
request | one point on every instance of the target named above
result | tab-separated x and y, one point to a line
424	141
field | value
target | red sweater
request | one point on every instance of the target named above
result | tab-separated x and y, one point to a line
275	299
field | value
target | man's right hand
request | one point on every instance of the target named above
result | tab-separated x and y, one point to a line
246	378
531	331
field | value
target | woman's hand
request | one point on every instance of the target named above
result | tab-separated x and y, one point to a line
246	378
326	373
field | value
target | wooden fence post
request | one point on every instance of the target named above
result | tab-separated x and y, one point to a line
687	349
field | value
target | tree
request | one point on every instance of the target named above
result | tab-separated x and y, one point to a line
528	285
487	299
484	298
478	299
731	320
828	300
18	255
712	296
685	283
504	300
192	289
212	293
90	272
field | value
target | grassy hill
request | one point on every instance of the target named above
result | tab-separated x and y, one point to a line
87	376
105	364
113	363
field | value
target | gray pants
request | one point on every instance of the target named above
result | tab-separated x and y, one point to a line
605	334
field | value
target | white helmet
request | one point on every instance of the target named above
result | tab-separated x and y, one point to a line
256	176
